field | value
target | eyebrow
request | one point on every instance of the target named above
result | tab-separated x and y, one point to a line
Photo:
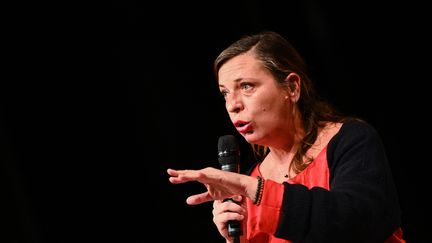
235	81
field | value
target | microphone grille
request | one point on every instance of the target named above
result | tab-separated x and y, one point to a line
228	150
227	143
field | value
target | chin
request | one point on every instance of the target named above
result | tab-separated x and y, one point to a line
255	138
251	137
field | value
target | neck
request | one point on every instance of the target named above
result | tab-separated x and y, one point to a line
277	163
282	156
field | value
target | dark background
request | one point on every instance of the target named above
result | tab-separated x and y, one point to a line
86	138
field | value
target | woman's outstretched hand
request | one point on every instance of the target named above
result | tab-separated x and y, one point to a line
220	184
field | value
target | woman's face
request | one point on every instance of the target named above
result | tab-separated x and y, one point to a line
258	107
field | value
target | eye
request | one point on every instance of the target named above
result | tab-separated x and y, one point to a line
224	93
246	86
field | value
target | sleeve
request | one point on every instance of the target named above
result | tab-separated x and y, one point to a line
266	215
362	203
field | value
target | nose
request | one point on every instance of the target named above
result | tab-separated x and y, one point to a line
233	103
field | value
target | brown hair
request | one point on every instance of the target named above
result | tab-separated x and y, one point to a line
281	59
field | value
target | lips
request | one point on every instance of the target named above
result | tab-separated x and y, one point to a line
242	126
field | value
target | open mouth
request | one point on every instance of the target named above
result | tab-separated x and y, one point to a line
240	124
243	126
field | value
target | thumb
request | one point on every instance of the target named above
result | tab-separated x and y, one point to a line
237	198
199	198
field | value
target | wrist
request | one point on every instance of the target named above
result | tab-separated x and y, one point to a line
249	187
254	189
259	190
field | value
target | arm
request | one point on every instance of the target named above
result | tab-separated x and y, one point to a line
220	184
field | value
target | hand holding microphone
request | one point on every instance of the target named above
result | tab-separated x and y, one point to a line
222	184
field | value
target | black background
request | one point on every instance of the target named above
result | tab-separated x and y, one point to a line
91	120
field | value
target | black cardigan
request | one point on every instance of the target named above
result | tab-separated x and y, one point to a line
362	203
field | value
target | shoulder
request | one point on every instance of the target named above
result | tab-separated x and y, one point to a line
354	129
354	137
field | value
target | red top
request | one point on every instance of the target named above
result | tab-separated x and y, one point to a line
263	220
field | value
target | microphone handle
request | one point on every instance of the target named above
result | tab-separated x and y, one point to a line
234	227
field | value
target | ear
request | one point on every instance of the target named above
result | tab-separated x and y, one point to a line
293	81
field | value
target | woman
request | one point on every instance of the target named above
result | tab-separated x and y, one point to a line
323	177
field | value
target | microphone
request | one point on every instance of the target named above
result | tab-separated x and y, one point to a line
229	159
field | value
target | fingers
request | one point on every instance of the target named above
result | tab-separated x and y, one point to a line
228	206
227	216
199	198
177	180
181	176
207	175
237	198
172	172
224	212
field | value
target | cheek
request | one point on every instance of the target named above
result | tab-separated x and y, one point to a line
274	109
258	107
268	105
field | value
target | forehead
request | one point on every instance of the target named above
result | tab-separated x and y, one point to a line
243	66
